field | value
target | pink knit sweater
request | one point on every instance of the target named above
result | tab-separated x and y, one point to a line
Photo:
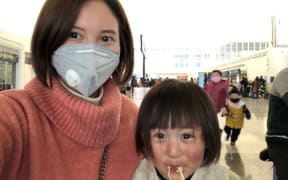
49	134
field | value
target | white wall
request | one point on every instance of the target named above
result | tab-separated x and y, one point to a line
266	63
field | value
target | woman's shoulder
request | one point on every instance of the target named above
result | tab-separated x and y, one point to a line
16	94
129	108
13	99
13	116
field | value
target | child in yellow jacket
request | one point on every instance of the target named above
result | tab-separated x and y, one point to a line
235	112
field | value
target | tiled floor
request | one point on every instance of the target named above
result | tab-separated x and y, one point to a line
243	158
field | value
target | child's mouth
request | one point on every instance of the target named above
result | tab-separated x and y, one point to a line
176	169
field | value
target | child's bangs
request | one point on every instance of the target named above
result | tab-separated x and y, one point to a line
166	115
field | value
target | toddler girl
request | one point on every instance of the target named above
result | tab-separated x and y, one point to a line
177	132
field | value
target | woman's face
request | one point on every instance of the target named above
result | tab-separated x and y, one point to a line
96	24
177	148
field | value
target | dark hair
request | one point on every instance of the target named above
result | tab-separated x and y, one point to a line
234	90
53	27
217	71
183	103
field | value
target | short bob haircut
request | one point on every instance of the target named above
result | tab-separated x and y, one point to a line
182	104
54	24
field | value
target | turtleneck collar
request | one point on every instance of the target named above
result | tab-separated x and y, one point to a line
96	100
77	118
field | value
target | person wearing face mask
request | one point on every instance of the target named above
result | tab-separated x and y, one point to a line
217	89
235	112
70	121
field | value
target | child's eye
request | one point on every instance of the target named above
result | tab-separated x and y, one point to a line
75	35
160	135
186	136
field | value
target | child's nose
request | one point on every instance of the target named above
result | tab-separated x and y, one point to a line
173	149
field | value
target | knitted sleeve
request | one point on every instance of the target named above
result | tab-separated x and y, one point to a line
10	137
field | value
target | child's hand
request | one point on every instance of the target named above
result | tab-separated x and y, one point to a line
224	111
247	112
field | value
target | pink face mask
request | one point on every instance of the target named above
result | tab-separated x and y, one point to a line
216	79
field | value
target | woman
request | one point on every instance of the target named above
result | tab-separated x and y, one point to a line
71	122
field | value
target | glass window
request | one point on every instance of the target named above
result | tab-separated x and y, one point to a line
233	47
7	71
245	46
228	47
257	46
239	46
251	46
263	45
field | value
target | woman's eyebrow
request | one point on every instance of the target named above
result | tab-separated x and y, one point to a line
79	28
109	32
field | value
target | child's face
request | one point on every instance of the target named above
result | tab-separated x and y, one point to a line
234	97
177	148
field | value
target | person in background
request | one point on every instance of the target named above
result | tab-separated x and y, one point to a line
235	112
244	85
134	84
71	122
255	86
217	90
277	124
177	133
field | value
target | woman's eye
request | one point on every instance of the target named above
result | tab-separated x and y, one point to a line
106	38
74	35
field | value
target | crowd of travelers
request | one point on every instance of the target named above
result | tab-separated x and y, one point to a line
248	88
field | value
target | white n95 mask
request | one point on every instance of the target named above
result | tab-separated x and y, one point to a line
85	67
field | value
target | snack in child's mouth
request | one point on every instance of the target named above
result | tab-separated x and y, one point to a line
169	173
179	170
